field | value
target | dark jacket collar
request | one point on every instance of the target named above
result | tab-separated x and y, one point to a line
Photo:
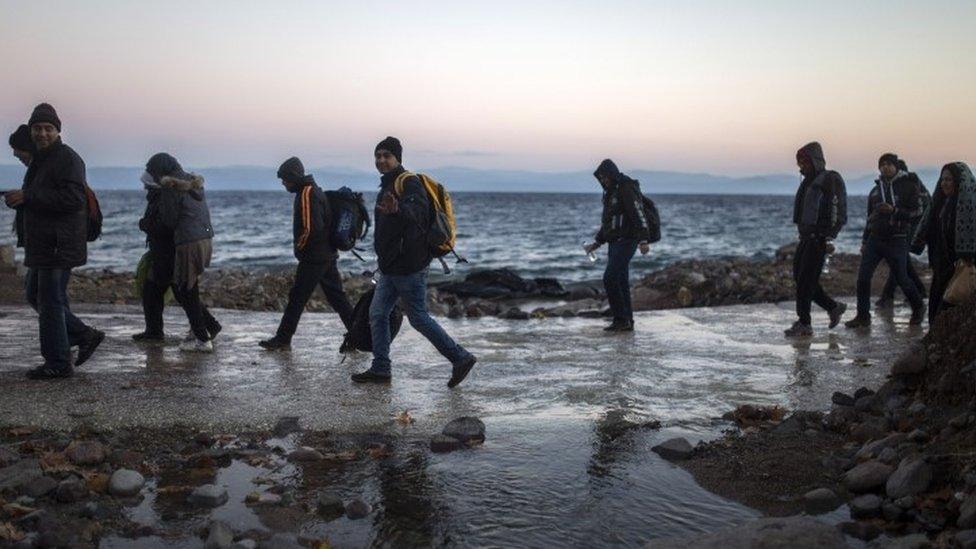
388	178
46	153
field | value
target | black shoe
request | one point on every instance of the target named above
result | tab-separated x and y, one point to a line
214	329
836	314
614	326
884	302
798	329
86	349
859	321
918	316
149	337
277	343
461	371
369	376
620	326
45	371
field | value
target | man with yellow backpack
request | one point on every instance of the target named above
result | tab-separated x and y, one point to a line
414	223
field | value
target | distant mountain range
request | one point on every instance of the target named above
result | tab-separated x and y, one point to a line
459	179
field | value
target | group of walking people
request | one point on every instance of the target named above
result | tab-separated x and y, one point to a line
56	212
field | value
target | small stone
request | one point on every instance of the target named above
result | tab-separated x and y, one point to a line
916	409
358	509
245	544
281	541
863	432
219	536
911	478
208	495
867	476
71	490
905	503
442	444
863	392
204	439
287	425
820	501
960	421
866	506
914	541
861	530
888	456
873	449
329	505
966	539
19	474
305	454
469	430
891	512
125	483
918	436
86	452
967	513
674	449
40	487
842	399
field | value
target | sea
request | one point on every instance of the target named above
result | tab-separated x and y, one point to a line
537	235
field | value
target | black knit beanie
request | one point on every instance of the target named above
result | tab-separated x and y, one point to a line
890	158
45	113
21	139
292	170
164	165
393	145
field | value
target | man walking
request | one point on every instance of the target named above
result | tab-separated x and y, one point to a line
887	298
314	251
819	212
54	234
892	205
400	240
625	227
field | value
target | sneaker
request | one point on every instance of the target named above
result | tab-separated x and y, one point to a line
461	371
149	336
276	343
194	345
369	376
918	316
46	371
798	329
859	321
836	314
884	302
87	348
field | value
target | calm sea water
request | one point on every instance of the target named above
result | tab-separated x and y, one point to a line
535	234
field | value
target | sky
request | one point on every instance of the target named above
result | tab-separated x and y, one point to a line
694	86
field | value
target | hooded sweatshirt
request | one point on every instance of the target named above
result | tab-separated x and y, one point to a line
310	224
820	206
183	208
902	192
623	209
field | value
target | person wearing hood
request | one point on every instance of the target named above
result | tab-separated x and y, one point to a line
625	228
183	212
400	240
53	231
892	206
819	212
887	298
23	150
948	228
316	255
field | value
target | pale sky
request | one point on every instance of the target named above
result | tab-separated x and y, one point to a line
719	87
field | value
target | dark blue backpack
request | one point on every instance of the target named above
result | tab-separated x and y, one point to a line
350	218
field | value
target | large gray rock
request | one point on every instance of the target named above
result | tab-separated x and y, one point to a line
220	536
19	474
469	430
967	513
866	507
208	495
912	362
873	449
86	452
125	483
867	476
912	477
358	509
674	449
330	505
820	501
765	533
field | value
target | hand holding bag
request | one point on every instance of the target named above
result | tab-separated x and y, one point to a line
962	287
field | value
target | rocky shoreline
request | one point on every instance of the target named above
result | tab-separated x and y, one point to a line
500	292
902	457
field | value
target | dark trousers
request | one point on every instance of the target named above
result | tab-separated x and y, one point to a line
942	271
202	323
307	277
616	278
895	252
60	329
891	283
808	263
196	312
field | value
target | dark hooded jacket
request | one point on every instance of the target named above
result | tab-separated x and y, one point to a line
820	206
310	224
400	239
623	211
948	225
54	227
183	208
903	192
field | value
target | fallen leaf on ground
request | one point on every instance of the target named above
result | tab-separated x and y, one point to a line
9	533
404	418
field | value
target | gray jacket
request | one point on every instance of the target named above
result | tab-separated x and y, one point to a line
183	209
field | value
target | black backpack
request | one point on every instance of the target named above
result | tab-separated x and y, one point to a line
94	211
653	218
359	337
350	218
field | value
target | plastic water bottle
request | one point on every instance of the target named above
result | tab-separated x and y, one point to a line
591	256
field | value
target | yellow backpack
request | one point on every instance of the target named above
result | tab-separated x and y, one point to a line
442	232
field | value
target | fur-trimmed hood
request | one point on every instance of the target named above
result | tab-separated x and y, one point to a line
195	182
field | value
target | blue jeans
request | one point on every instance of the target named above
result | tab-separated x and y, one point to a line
412	291
616	278
895	252
60	329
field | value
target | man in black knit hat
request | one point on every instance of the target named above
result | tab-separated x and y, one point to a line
315	253
400	240
55	230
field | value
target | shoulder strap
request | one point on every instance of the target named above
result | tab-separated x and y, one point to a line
401	180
